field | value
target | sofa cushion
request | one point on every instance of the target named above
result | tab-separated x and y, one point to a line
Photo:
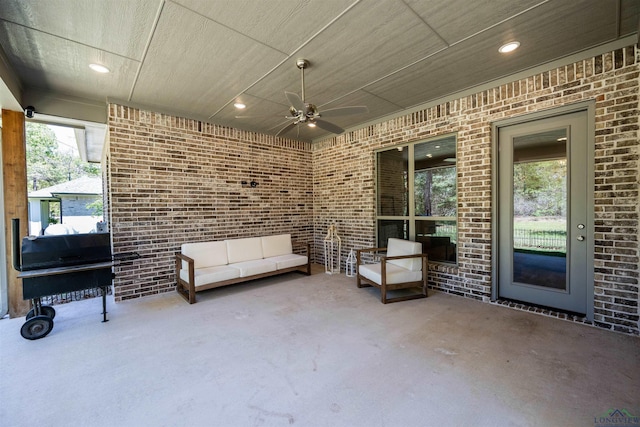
205	254
288	261
397	247
205	276
276	245
395	274
250	268
240	250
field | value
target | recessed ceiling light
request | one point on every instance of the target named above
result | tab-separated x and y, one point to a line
509	47
239	105
99	68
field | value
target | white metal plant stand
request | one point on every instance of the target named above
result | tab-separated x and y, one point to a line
332	248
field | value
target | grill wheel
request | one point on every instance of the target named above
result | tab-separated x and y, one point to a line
36	327
46	310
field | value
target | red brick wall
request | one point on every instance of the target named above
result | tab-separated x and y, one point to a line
174	180
344	175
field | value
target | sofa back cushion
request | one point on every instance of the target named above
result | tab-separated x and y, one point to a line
239	250
276	245
397	247
206	254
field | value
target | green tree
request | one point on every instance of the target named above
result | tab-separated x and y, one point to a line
435	192
540	188
46	164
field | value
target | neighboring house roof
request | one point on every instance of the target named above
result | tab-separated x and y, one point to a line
81	186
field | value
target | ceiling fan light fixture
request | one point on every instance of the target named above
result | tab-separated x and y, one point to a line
509	47
99	68
311	124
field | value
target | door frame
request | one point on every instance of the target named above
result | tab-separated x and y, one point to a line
589	107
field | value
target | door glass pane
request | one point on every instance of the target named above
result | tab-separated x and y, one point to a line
540	209
393	193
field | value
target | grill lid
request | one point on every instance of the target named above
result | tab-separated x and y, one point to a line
65	250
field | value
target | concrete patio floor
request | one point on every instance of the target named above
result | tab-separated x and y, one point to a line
313	351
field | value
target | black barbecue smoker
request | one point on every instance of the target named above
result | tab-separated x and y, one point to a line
51	265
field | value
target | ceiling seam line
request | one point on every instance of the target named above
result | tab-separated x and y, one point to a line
69	40
426	23
499	23
436	52
227	27
146	49
289	56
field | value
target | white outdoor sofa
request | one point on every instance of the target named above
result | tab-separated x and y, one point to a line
404	266
206	265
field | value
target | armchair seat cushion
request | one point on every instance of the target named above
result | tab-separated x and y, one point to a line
395	274
204	276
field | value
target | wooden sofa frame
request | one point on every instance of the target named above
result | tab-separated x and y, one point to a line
188	290
363	282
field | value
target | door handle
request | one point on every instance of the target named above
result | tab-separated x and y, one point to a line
580	238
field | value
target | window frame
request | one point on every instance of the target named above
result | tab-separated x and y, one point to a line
412	218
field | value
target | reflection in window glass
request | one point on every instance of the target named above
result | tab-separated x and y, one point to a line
429	169
540	209
439	239
435	192
393	193
392	228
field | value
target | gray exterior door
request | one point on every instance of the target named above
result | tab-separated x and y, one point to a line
544	229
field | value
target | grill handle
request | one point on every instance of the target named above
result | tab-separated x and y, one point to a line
15	240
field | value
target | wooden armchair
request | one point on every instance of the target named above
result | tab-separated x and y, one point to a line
403	267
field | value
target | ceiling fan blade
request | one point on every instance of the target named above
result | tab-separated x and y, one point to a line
287	128
295	101
328	126
344	111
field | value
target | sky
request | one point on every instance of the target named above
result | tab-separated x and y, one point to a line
66	139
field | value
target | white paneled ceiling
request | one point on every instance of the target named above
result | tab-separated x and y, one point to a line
195	58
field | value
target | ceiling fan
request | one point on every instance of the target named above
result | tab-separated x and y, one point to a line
303	112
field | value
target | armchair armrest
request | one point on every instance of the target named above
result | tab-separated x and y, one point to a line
359	253
387	258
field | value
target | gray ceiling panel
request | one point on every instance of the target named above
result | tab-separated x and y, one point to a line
360	47
281	24
630	12
477	61
119	27
194	58
188	64
455	20
66	64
